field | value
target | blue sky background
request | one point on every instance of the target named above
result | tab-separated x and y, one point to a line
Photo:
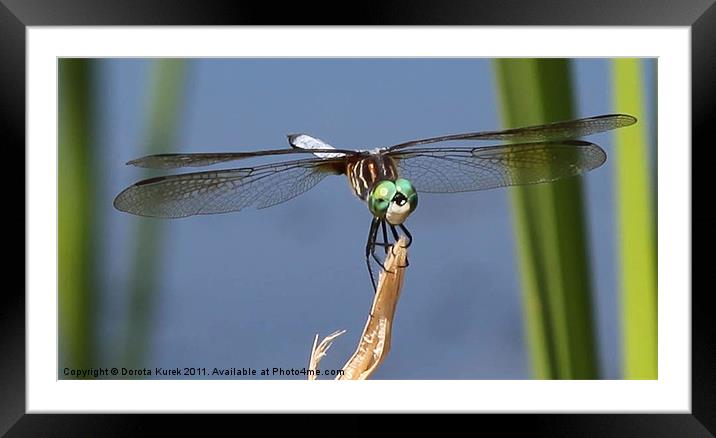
251	289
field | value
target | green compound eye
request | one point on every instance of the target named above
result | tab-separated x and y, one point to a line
406	188
380	198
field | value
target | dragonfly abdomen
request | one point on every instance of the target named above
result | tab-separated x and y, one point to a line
365	172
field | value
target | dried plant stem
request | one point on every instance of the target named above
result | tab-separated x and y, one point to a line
374	343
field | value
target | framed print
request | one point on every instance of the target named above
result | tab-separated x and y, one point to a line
169	285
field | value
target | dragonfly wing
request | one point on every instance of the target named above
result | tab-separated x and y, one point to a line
552	131
303	141
450	170
223	191
174	161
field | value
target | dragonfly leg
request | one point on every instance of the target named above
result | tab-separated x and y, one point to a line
385	236
384	244
410	240
370	250
407	234
397	237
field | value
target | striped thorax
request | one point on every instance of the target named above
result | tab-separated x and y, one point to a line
364	173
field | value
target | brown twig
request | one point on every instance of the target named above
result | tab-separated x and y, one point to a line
374	343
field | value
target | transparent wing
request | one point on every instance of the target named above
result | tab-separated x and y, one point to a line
449	170
551	131
174	161
224	190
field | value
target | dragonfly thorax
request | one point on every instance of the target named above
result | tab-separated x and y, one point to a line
393	200
366	172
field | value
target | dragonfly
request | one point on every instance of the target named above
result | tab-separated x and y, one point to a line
388	179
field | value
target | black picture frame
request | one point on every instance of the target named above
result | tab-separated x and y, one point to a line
699	15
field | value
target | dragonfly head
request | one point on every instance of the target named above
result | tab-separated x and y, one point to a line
393	200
